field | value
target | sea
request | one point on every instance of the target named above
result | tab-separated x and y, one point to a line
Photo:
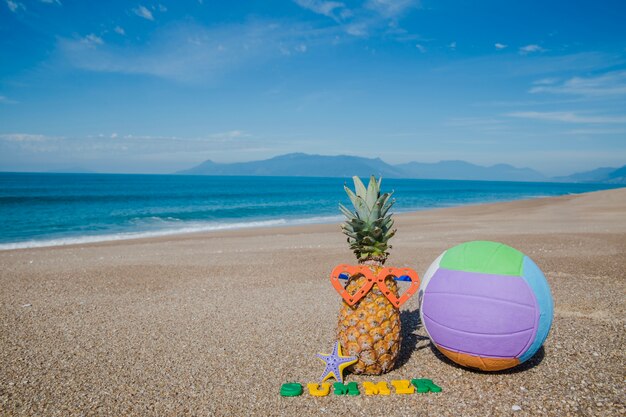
41	209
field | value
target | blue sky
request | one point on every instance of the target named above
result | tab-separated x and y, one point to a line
147	86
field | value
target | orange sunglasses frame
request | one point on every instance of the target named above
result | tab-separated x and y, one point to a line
383	274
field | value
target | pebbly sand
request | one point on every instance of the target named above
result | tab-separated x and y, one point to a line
213	324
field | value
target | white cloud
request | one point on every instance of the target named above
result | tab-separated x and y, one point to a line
143	12
326	8
191	53
92	40
609	84
567	117
529	49
162	8
6	100
231	134
14	6
500	46
346	13
373	15
187	51
128	150
23	137
593	132
420	48
57	2
546	81
358	29
479	124
391	8
452	45
543	65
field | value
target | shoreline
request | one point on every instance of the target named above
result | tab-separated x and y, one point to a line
217	229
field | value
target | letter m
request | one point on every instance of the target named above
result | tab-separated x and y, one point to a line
380	388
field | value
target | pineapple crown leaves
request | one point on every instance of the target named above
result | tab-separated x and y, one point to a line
369	227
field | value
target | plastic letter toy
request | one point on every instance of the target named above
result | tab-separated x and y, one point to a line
425	385
336	363
351	389
403	386
399	274
318	390
375	389
291	389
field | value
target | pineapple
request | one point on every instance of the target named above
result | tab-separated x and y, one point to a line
370	329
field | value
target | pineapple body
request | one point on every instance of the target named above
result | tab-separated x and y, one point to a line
370	329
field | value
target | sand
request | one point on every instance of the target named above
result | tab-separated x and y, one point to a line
214	323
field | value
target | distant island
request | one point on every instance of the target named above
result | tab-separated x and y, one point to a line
305	165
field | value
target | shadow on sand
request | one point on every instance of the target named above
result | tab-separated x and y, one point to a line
411	341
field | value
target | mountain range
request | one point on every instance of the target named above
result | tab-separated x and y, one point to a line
598	175
305	165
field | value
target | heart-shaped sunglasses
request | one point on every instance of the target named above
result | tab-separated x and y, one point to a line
343	272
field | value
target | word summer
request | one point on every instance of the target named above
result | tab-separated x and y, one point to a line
402	386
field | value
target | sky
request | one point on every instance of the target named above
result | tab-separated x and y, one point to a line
160	86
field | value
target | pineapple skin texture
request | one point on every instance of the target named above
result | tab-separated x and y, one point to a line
370	329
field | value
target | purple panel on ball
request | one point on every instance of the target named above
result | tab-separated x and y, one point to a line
480	314
501	287
493	346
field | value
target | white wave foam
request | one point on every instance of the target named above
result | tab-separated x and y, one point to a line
181	228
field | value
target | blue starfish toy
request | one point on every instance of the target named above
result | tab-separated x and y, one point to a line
336	363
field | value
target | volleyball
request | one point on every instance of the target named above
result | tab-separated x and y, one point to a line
486	305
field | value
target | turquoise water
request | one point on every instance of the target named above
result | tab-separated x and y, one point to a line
56	209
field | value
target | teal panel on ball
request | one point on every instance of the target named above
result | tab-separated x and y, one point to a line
484	257
538	283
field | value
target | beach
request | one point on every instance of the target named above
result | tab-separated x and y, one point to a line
214	323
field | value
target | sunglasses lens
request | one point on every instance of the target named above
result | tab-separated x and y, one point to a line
403	278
